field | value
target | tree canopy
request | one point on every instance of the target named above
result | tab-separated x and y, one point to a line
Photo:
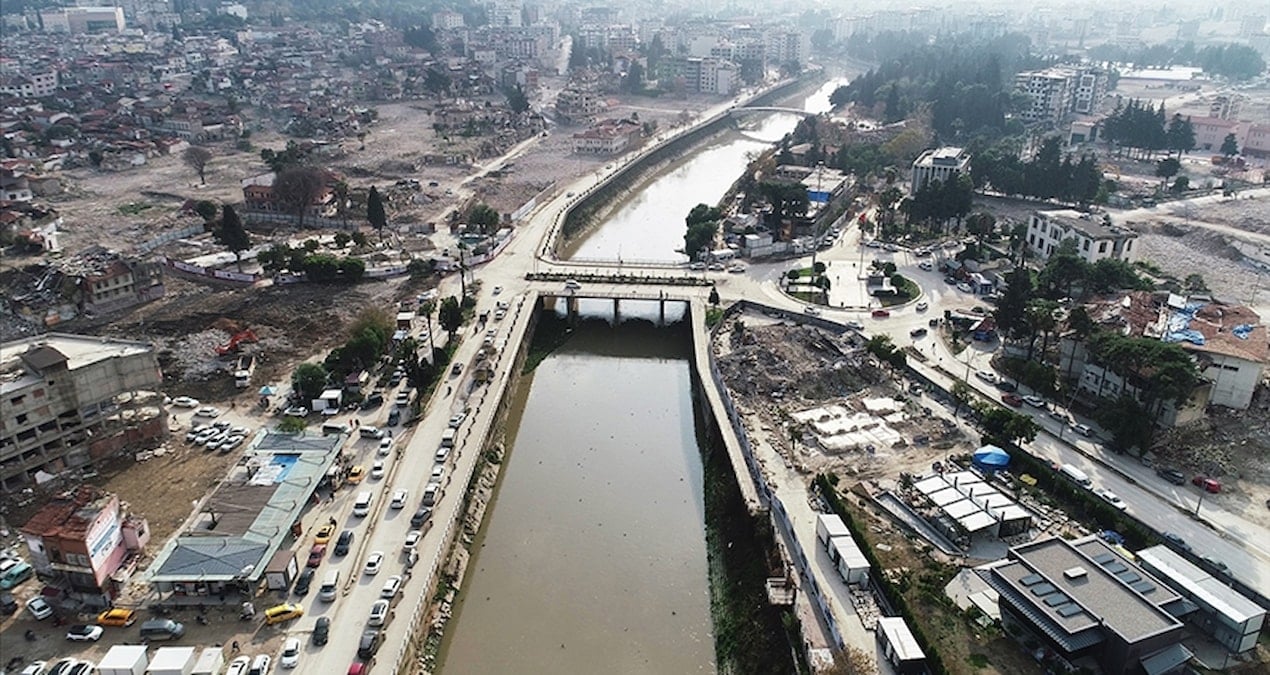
375	211
231	233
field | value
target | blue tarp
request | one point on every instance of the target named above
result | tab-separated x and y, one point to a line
1178	327
991	457
1243	331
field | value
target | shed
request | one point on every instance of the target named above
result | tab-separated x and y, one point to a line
899	646
172	661
850	560
829	526
282	570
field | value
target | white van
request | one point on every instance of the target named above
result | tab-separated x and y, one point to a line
330	586
333	428
447	438
361	507
1076	476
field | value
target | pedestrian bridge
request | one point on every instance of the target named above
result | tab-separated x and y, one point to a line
766	108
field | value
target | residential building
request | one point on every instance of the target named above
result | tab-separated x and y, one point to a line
33	85
108	282
701	75
62	407
14	185
1089	91
1226	106
258	197
83	20
1088	606
1051	91
1095	239
578	105
226	546
505	14
83	542
939	164
447	20
608	137
1256	141
1230	618
1230	346
1211	132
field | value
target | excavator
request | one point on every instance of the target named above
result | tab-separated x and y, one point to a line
239	338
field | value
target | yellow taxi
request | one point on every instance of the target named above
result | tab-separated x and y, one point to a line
117	617
284	612
357	475
324	534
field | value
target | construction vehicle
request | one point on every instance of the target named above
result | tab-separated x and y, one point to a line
239	338
243	369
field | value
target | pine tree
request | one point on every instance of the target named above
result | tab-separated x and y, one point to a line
232	235
375	211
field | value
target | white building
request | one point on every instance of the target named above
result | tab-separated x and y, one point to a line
1051	92
939	164
447	20
83	20
34	85
609	137
1095	239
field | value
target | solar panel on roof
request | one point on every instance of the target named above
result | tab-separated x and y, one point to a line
1056	599
1068	610
1143	586
1129	577
1104	558
1116	567
1031	579
1042	590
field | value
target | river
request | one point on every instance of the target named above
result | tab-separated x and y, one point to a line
649	224
592	557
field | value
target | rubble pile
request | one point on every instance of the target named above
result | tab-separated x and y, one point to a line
780	361
193	355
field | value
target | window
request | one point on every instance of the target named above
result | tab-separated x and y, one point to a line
17	400
38	393
1086	241
1128	245
1102	247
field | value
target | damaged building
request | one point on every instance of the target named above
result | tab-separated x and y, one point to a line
93	283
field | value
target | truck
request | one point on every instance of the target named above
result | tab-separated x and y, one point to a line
210	662
243	369
124	660
1076	476
172	661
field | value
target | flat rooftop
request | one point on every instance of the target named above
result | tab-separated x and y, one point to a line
1200	585
21	360
1079	584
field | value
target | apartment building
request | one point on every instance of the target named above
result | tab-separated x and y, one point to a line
65	404
1095	239
1058	92
77	20
703	75
1210	132
33	85
83	542
938	164
608	137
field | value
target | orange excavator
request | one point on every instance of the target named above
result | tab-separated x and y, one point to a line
239	338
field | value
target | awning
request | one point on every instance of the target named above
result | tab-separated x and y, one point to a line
1166	660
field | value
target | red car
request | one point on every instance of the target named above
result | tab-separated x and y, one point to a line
316	554
1012	400
880	313
1208	484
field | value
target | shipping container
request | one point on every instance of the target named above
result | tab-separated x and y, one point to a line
829	526
124	660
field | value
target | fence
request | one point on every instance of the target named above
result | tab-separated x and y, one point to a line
150	245
780	517
219	275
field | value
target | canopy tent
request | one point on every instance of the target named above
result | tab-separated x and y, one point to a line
991	458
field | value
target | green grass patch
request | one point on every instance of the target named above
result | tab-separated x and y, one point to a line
134	208
713	316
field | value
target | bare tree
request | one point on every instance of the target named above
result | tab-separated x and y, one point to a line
197	158
852	661
297	188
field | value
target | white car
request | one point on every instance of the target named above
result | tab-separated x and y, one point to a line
185	402
922	306
855	325
457	420
296	411
987	376
385	445
1034	401
438	473
1083	430
377	470
391	587
260	666
497	290
965	287
84	633
195	431
239	666
290	653
207	411
39	608
399	499
412	541
378	613
373	562
926	265
500	314
1111	498
811	310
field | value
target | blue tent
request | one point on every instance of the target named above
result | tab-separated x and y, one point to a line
991	458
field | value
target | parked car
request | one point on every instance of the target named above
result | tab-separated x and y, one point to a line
394	416
1207	484
304	581
965	287
369	644
391	587
84	633
987	376
457	420
811	311
880	313
1012	400
117	617
1007	386
1174	539
39	608
239	666
284	612
207	411
1111	498
185	402
854	325
923	306
375	400
322	630
260	665
1083	430
1034	401
412	541
290	657
1171	475
296	411
343	543
316	554
378	613
926	265
421	516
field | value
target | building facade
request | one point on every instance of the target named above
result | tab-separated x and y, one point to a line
1058	92
938	164
608	137
59	407
83	542
1095	240
77	20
